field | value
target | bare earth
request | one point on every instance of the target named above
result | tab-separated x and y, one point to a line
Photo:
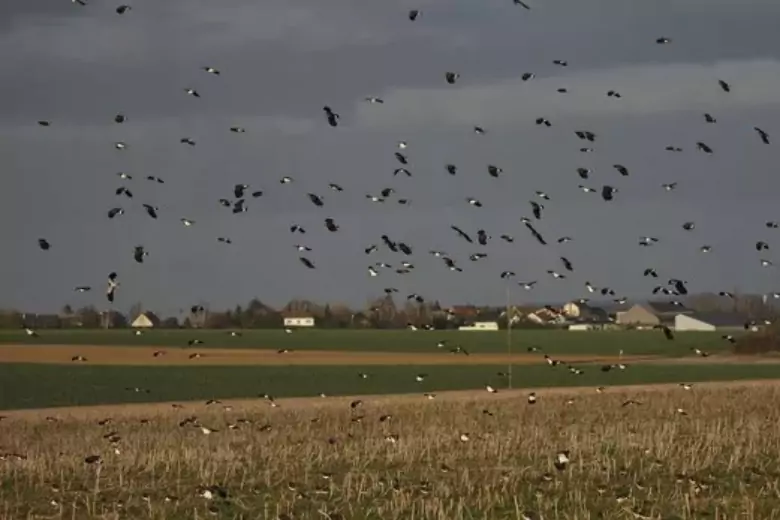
152	410
144	356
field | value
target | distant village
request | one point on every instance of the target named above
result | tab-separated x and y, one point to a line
698	312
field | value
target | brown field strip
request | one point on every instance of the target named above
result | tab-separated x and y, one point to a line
144	356
152	410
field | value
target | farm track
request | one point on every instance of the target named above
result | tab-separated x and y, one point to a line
153	410
177	356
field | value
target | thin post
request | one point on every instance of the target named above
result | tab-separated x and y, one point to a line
508	338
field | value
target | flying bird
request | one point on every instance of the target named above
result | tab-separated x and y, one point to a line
112	286
762	134
451	77
44	244
308	263
139	254
332	117
414	14
725	86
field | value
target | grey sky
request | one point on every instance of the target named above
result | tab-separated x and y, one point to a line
282	60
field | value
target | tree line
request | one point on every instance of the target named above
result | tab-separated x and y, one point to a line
380	313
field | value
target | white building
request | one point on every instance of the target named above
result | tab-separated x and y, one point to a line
145	320
481	325
299	321
708	321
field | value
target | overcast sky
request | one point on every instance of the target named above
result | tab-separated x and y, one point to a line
281	61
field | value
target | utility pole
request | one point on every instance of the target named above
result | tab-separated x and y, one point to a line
508	338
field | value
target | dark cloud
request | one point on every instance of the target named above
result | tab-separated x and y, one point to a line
283	60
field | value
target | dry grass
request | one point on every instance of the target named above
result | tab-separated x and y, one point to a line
636	461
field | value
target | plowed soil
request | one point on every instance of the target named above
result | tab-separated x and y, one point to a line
144	356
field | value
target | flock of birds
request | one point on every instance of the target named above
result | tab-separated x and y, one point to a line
241	194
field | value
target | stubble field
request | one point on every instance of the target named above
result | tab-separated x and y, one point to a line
661	452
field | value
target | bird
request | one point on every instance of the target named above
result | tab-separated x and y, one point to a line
112	286
308	263
335	187
543	121
567	264
561	63
689	226
124	191
527	285
608	193
614	94
537	209
187	222
238	129
122	9
451	77
374	100
663	40
44	244
120	118
704	148
315	199
83	289
494	171
724	85
113	212
761	246
762	134
211	70
414	14
192	92
332	117
621	169
522	4
527	76
139	253
331	225
709	118
670	186
151	210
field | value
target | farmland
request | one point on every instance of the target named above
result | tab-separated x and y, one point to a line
551	341
711	452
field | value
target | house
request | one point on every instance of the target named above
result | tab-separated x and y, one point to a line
708	321
298	320
583	312
481	325
546	316
651	314
463	312
146	320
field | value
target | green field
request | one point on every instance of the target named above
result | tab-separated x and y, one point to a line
552	341
38	385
